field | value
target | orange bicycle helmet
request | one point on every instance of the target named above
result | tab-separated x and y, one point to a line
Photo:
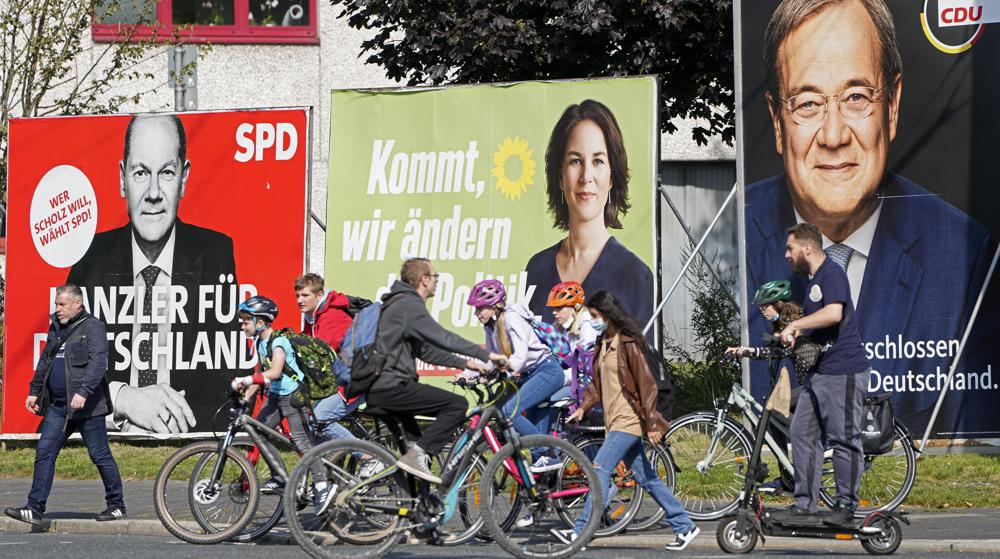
566	294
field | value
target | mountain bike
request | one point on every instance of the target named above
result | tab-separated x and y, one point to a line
711	450
368	516
208	492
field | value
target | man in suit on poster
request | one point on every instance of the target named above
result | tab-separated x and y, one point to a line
163	383
915	263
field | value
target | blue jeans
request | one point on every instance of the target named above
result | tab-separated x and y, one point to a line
334	408
542	418
544	380
623	447
51	440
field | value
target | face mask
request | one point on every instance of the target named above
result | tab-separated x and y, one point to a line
776	317
599	325
569	322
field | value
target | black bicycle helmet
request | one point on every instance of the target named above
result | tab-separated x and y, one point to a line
773	291
260	306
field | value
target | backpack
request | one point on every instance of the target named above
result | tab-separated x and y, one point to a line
556	340
664	382
315	359
355	305
361	361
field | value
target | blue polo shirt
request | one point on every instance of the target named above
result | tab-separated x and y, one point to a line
846	355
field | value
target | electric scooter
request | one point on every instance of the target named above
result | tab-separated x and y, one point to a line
880	533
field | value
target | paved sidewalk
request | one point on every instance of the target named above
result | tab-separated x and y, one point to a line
74	503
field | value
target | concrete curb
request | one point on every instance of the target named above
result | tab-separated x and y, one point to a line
705	542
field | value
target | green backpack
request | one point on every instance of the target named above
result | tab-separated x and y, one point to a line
315	358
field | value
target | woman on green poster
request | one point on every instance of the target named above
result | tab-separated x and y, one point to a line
587	174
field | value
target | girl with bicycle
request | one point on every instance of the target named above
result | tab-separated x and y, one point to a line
774	301
625	387
509	331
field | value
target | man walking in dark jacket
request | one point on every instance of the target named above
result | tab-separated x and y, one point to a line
69	388
407	332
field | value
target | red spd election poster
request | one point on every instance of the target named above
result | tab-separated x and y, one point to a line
166	222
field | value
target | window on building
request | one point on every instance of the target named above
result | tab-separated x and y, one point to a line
210	21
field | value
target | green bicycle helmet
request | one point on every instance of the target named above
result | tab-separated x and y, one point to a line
772	291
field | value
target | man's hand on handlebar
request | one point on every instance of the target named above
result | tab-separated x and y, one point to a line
788	335
477	366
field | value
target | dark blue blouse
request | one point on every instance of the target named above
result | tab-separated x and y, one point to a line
617	270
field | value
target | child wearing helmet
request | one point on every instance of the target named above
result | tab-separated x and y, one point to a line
571	317
774	300
509	331
277	357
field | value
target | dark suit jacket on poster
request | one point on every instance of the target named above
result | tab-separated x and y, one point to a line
200	257
617	269
925	269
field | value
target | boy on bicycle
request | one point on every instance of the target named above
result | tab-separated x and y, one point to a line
278	364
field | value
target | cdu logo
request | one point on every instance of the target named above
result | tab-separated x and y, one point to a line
969	16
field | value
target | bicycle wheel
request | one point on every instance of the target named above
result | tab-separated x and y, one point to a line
711	465
358	523
625	500
650	513
466	523
468	507
886	480
179	497
269	505
578	477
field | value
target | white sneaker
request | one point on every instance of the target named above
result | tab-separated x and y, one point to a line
546	464
567	535
681	541
370	467
417	463
323	495
527	519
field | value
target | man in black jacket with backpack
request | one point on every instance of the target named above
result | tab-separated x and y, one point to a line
406	332
70	390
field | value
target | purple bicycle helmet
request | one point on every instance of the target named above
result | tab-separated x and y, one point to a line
487	293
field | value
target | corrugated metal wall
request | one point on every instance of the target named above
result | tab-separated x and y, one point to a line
698	189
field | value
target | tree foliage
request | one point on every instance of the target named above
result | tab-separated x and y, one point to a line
49	65
702	373
687	42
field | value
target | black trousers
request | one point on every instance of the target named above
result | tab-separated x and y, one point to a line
412	398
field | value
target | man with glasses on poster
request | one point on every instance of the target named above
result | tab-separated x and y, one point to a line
915	264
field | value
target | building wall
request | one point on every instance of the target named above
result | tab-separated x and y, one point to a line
251	76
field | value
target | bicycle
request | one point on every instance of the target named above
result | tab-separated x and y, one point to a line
625	509
711	450
368	516
270	507
208	492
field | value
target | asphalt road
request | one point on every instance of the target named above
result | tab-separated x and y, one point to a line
95	546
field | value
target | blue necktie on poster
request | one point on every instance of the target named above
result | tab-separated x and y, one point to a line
841	254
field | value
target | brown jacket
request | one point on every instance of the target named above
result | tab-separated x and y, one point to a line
637	383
